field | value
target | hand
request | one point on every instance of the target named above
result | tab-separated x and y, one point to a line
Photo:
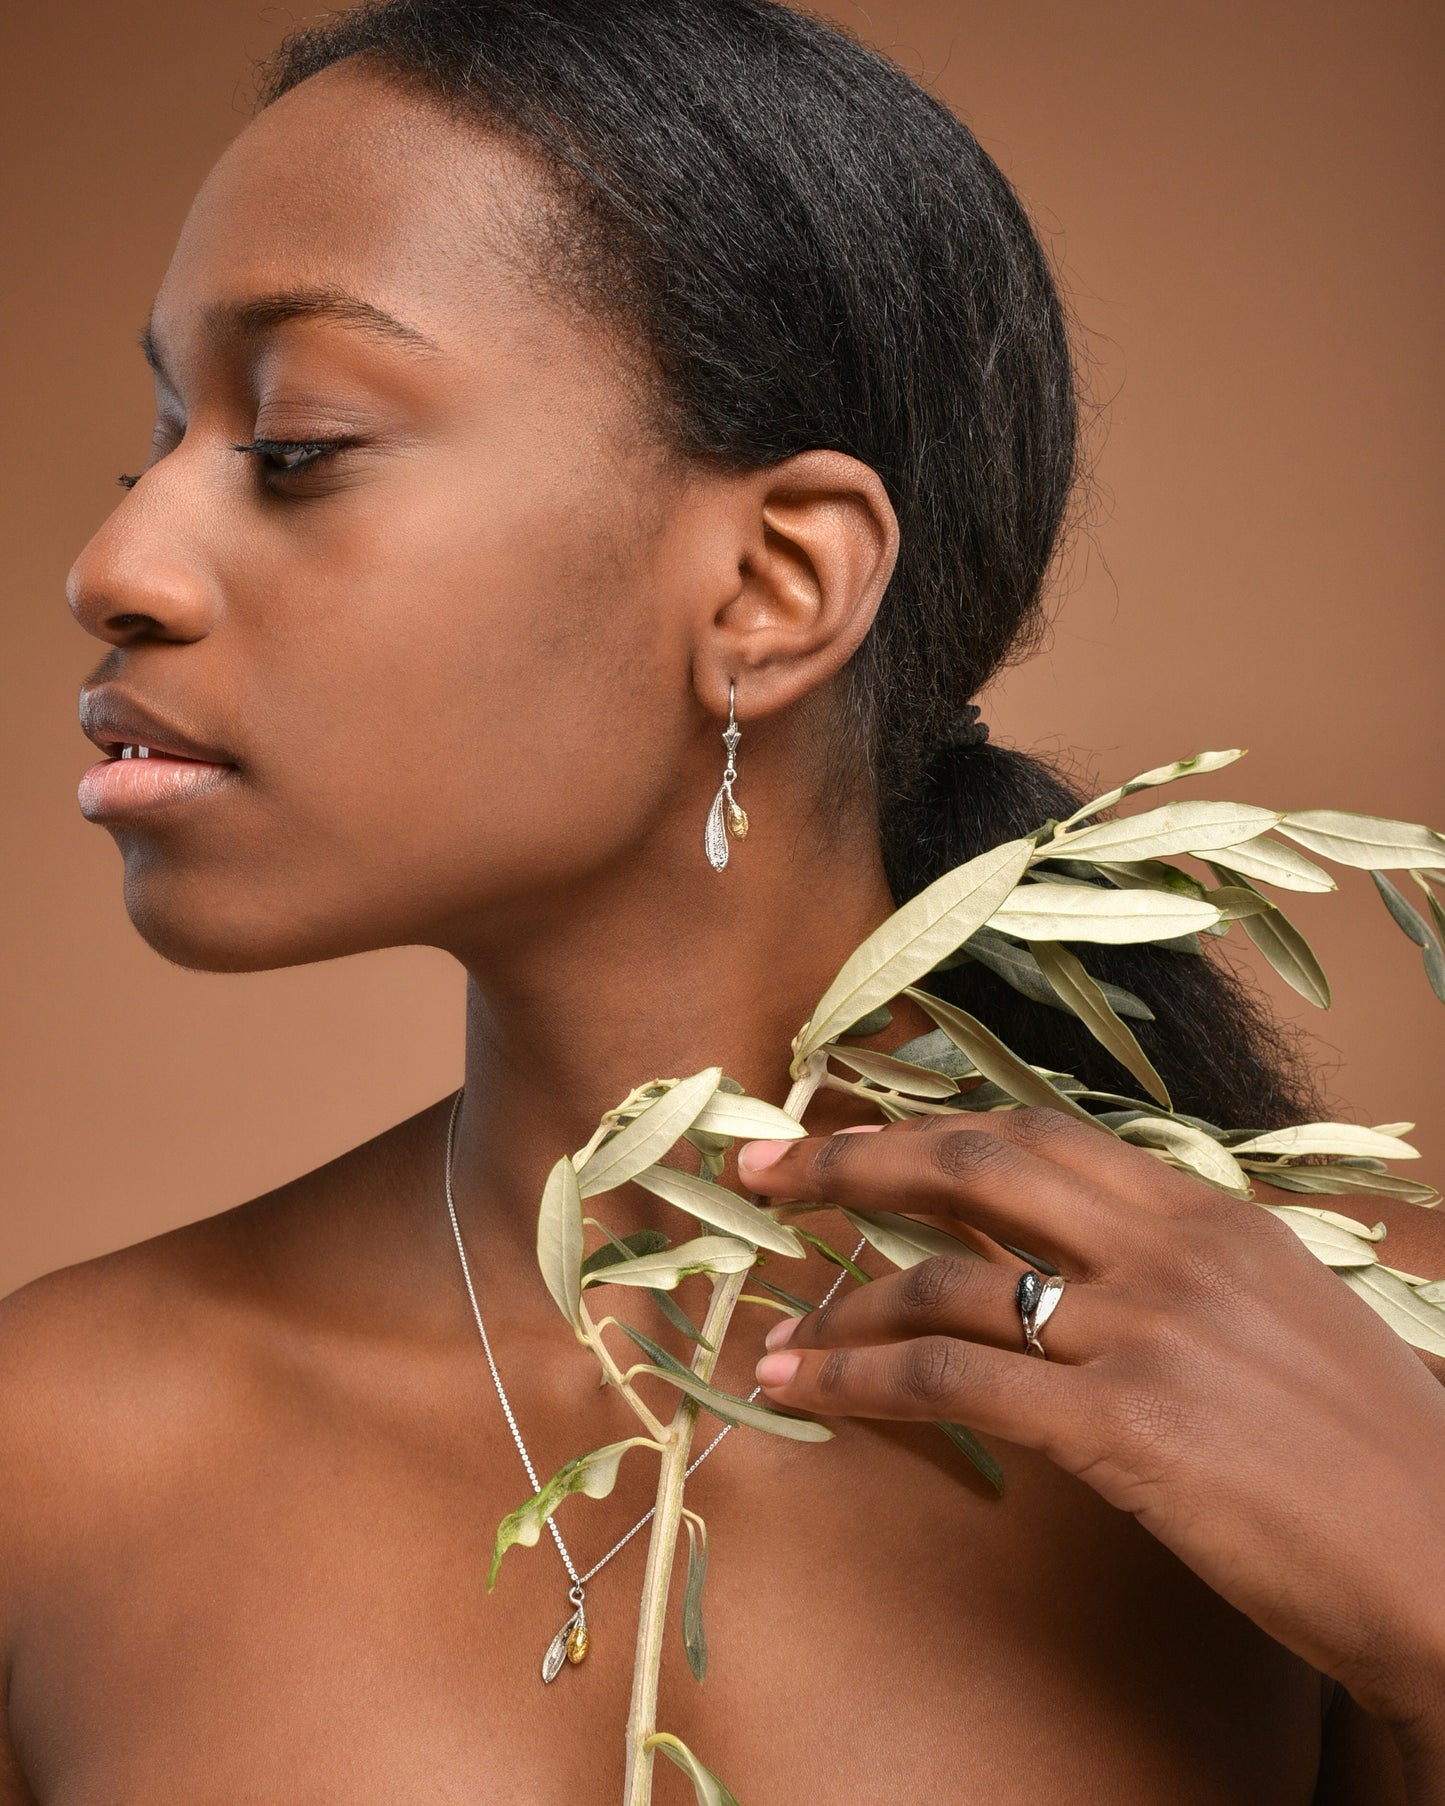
1205	1372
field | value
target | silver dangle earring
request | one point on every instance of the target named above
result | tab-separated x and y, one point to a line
725	808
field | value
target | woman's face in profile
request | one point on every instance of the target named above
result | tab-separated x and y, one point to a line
442	580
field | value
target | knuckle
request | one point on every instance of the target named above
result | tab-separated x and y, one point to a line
1037	1126
833	1373
935	1285
965	1155
931	1370
833	1155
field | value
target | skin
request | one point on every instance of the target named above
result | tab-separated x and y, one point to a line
472	674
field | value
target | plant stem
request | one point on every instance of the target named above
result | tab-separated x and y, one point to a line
667	1518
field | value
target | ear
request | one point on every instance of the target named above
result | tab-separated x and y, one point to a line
817	540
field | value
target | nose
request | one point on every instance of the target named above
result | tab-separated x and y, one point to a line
140	578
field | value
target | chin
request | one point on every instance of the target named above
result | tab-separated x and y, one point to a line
215	928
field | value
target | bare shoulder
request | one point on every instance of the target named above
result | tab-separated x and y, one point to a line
117	1369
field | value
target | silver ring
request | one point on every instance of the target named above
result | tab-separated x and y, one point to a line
1037	1300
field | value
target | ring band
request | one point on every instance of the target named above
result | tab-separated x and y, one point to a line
1037	1300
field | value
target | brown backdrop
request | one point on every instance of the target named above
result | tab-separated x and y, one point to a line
1242	201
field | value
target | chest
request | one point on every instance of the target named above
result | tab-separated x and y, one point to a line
301	1613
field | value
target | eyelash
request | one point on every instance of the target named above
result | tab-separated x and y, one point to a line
309	452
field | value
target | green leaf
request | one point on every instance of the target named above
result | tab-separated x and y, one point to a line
1176	828
1084	912
1161	774
654	1351
1018	967
720	1208
1150	874
997	1062
1412	1317
968	1444
799	1305
1191	1147
1086	999
1272	862
850	1267
649	1135
1417	929
594	1474
1329	1138
694	1632
939	1054
705	1784
896	1074
739	1411
1236	902
873	1023
707	1254
559	1240
1340	1178
627	1247
905	1242
1290	954
752	1117
679	1319
1366	841
913	939
1331	1239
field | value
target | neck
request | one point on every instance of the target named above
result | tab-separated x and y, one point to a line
643	974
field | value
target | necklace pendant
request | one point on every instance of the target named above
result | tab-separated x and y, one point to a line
578	1643
559	1649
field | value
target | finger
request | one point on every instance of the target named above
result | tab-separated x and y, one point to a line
936	1377
975	1299
939	1168
1101	1158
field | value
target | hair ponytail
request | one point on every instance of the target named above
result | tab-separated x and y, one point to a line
819	254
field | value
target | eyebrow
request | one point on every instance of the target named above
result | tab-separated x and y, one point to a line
262	313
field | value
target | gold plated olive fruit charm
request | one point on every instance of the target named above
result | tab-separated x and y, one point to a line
737	820
578	1644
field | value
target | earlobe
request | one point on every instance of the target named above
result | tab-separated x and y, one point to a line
821	542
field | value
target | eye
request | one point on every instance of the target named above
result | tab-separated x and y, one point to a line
281	458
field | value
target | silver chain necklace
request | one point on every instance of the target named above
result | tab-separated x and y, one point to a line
571	1643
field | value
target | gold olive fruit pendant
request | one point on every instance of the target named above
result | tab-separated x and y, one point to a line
737	821
578	1644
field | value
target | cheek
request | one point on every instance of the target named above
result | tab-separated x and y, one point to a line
455	706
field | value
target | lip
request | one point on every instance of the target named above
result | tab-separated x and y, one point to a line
180	764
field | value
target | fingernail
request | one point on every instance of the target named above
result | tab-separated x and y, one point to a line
777	1369
781	1333
754	1155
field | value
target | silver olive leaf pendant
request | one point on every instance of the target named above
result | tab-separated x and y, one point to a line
725	816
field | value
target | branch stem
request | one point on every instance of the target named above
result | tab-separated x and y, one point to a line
668	1511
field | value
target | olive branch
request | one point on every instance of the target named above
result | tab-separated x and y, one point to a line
1084	879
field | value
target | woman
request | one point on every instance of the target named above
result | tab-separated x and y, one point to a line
537	382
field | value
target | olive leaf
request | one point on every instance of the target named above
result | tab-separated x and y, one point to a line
896	1074
694	1632
1343	1179
1417	929
995	1061
1336	1241
1419	1322
873	1023
649	1135
1085	997
913	939
740	1411
1329	1138
1367	841
1019	967
850	1267
559	1239
1237	902
1272	862
707	1254
729	1114
935	1051
905	1242
705	1784
1191	1147
969	1445
1083	912
1174	828
1287	951
720	1209
1150	874
595	1475
625	1247
1161	774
